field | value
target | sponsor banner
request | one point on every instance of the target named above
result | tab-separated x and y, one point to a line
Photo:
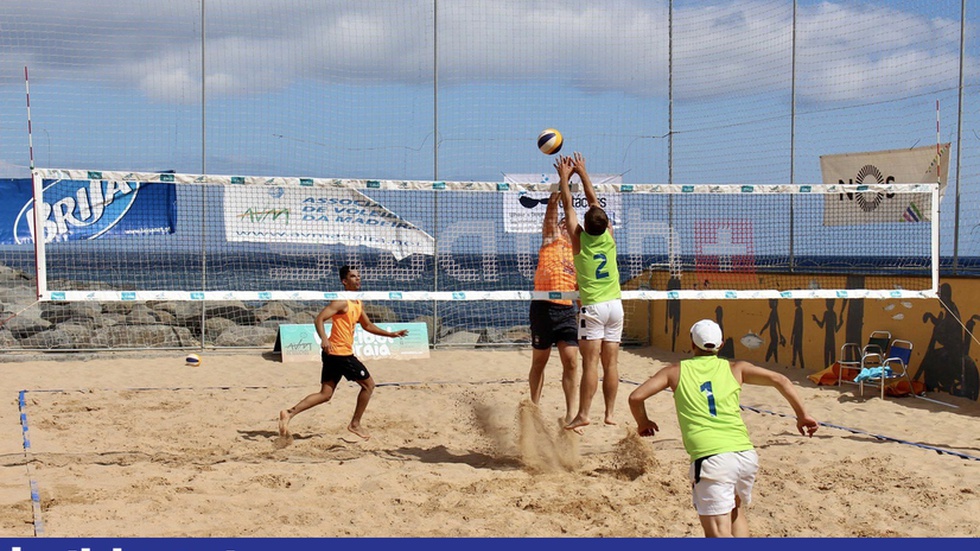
75	210
873	168
524	211
341	216
300	343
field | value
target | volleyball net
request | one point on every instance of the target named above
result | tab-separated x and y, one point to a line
115	236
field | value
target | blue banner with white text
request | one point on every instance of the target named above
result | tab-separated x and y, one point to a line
74	210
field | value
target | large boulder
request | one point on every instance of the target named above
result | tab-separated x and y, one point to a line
217	326
24	326
137	336
380	314
56	312
12	274
250	336
141	314
460	338
80	333
7	341
52	339
273	311
18	294
233	310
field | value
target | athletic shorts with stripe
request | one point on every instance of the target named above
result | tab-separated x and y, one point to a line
602	321
335	367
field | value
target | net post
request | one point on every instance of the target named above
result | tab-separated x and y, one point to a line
935	240
40	256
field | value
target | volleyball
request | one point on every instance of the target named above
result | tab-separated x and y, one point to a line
549	141
193	360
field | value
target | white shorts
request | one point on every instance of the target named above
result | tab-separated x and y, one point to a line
601	321
722	477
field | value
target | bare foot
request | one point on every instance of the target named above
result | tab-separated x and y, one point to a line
284	422
578	422
610	421
566	421
358	430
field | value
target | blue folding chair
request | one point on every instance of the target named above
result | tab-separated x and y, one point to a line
882	370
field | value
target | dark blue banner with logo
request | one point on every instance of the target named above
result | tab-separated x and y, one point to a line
74	210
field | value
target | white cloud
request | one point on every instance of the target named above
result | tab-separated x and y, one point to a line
846	51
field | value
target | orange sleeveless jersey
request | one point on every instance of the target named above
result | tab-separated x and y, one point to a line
342	329
556	268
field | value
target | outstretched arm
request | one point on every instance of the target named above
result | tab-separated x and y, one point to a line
370	327
590	196
564	167
637	400
755	375
549	228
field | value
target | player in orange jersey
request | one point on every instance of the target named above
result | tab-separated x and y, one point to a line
553	321
337	355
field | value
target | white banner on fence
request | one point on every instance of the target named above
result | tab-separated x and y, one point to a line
524	211
335	216
897	166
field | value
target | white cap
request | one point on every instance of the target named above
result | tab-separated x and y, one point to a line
706	335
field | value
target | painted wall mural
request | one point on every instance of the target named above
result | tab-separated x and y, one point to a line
941	330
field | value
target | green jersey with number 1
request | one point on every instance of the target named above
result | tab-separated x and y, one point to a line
708	411
596	269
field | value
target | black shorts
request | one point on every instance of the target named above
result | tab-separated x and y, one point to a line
335	367
552	323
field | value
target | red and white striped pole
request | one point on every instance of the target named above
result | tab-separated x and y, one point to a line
30	138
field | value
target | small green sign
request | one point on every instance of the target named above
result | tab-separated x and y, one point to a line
300	343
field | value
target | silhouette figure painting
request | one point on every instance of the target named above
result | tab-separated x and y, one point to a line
673	316
947	365
776	338
831	325
796	336
727	350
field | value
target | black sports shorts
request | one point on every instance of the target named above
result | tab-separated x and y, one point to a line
335	367
552	323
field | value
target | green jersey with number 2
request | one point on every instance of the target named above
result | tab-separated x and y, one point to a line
596	269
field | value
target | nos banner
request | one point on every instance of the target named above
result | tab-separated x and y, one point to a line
897	166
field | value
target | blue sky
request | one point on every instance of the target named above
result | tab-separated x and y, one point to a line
344	88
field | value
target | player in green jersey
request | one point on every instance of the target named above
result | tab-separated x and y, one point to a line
600	318
706	392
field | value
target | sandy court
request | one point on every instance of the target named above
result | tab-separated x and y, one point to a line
127	445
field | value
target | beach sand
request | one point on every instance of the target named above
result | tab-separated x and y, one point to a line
141	445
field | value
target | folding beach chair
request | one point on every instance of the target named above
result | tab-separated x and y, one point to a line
854	357
884	370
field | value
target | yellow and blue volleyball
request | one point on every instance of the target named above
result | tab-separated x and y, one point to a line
193	360
549	141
